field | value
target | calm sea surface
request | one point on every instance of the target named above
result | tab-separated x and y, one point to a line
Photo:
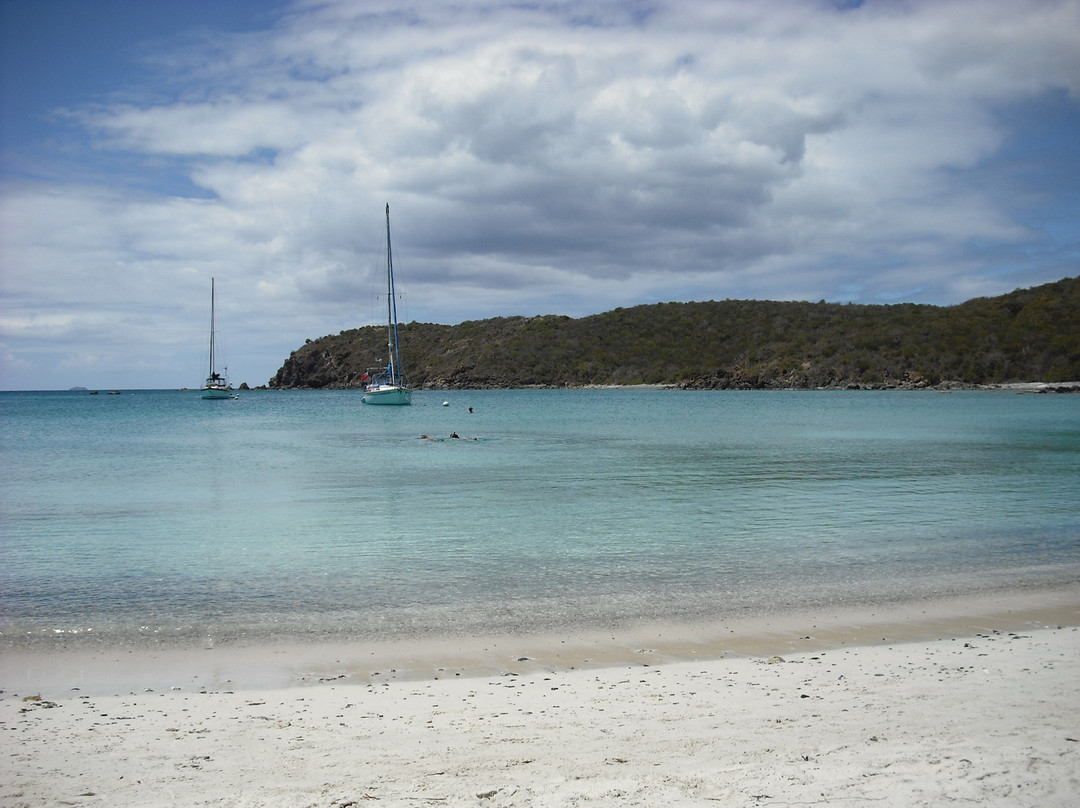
157	517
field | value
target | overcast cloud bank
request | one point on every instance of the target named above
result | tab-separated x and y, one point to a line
554	158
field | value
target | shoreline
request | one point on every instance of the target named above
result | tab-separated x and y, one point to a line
987	718
853	386
295	663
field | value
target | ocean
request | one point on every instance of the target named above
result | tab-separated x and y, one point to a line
156	518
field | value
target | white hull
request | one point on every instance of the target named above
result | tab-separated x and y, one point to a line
387	395
216	392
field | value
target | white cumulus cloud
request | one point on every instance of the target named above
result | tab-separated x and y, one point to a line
554	158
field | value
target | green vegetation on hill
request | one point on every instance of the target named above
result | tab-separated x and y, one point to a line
1027	335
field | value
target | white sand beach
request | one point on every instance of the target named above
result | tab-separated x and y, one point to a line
972	702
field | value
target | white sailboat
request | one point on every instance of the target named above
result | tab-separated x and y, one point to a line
216	384
387	385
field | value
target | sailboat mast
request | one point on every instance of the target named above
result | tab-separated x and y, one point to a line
389	385
212	374
391	307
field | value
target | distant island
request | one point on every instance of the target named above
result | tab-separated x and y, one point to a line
1029	335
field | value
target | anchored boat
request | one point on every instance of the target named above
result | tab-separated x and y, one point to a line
216	384
387	385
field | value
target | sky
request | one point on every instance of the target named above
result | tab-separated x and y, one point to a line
538	158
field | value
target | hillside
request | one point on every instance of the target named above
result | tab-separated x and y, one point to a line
1026	335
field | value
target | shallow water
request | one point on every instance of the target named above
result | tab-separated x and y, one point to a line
155	516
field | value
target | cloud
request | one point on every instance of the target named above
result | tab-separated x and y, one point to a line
551	158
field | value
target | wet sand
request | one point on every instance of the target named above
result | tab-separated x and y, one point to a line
970	700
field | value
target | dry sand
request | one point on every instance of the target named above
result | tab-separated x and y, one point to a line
971	702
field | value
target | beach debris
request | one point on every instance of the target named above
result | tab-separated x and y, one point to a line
194	762
37	701
774	660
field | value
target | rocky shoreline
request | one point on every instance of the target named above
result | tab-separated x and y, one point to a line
728	384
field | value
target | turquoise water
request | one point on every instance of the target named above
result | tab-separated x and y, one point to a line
155	516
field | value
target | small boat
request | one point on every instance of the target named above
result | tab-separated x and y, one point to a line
216	384
387	385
